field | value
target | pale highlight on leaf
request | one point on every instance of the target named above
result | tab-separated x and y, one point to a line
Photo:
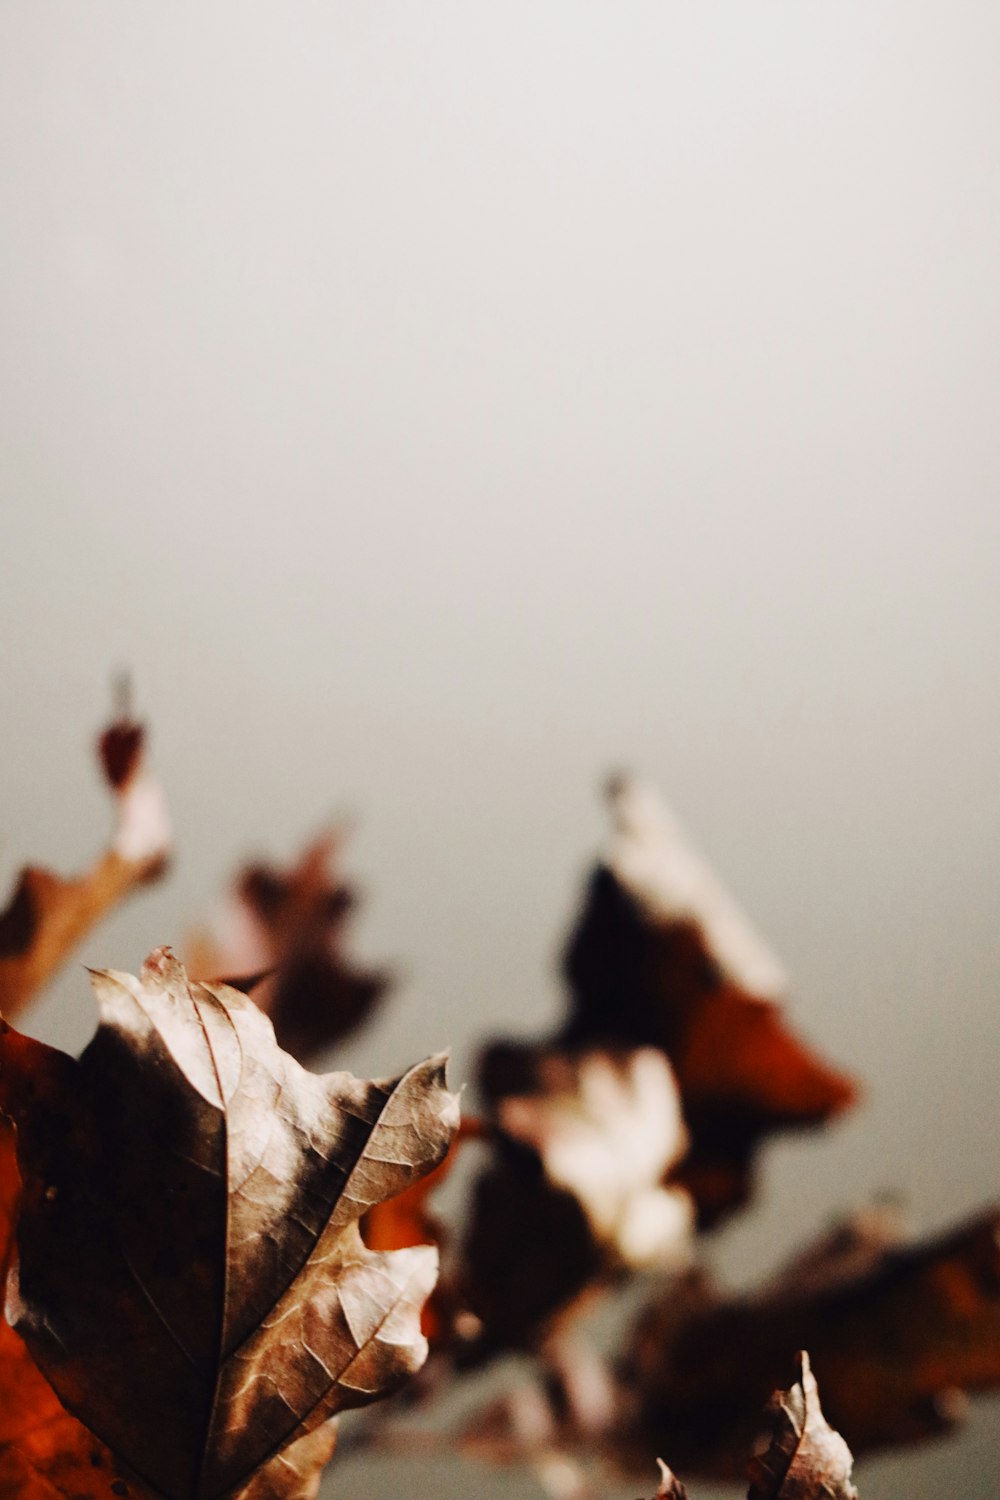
296	1473
670	1486
189	1273
610	1139
48	914
806	1459
649	854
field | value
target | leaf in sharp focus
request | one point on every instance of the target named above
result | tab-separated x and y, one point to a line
663	957
48	915
288	925
806	1459
188	1272
44	1452
406	1219
296	1473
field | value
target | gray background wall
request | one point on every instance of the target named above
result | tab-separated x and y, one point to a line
437	404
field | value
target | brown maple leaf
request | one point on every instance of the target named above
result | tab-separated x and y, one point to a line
286	929
895	1331
806	1459
47	915
397	1223
188	1272
662	957
44	1452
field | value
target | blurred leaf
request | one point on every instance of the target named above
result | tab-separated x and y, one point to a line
286	928
895	1332
662	957
47	915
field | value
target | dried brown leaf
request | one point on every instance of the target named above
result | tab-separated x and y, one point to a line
575	1191
406	1219
48	915
670	1487
806	1459
894	1331
528	1253
287	929
296	1473
188	1271
607	1127
661	957
44	1452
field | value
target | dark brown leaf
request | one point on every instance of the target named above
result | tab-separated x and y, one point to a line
188	1272
44	1452
585	1140
894	1333
806	1459
48	915
607	1127
286	928
661	957
528	1252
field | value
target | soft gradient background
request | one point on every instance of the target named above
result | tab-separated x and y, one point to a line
437	404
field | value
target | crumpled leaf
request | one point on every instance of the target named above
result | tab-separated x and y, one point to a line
286	928
806	1459
48	915
608	1128
406	1219
670	1487
662	957
46	1453
188	1272
896	1332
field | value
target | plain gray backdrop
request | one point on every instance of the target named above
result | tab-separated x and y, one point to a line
436	405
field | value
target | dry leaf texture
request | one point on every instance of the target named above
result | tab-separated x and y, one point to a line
188	1272
670	1487
806	1459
